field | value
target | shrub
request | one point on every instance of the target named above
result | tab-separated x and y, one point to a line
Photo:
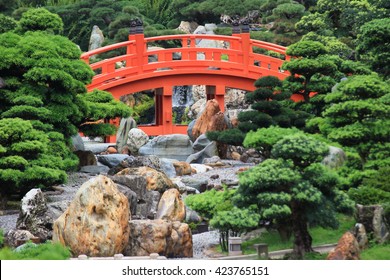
46	251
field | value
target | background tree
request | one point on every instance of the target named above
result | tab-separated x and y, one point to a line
40	20
373	47
296	188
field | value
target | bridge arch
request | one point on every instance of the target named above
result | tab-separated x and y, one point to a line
238	65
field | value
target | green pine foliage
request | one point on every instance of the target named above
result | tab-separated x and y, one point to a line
46	251
293	189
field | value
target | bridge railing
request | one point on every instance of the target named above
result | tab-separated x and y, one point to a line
236	55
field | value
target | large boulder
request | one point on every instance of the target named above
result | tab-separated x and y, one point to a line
174	146
155	180
111	160
97	220
77	143
198	183
170	239
131	161
372	217
347	249
122	134
211	150
171	206
96	40
33	215
136	139
211	119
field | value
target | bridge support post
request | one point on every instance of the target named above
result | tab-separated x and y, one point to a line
220	96
167	110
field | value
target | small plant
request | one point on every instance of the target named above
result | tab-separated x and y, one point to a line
46	251
1	238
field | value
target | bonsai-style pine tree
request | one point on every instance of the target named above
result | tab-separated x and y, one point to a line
26	159
294	189
270	106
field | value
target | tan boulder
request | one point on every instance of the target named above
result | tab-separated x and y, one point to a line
159	236
155	180
96	222
171	207
204	122
347	249
183	168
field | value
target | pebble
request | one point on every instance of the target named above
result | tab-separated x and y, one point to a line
202	241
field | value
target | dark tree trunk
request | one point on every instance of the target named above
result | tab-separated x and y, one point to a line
302	238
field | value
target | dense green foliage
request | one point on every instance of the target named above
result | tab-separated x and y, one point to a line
293	189
46	251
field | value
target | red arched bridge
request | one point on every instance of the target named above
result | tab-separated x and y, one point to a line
237	65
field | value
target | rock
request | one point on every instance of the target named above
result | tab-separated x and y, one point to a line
210	151
187	27
196	109
347	249
111	160
235	99
182	168
253	234
96	222
210	26
14	237
94	169
136	183
132	198
203	123
57	208
181	246
156	180
189	129
335	158
111	150
96	40
361	236
200	168
171	207
161	237
197	183
77	143
192	216
121	136
33	215
167	167
199	93
174	146
136	139
86	158
97	148
212	160
131	161
2	82
183	188
235	156
201	142
372	217
147	208
200	30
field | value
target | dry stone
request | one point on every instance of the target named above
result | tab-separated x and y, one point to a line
162	237
136	139
203	123
183	168
347	249
96	40
372	217
156	180
171	206
96	222
33	215
16	235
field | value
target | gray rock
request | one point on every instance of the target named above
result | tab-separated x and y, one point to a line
372	217
85	158
147	208
192	216
57	208
361	236
97	148
136	139
213	159
335	158
197	183
111	160
151	161
134	182
174	146
189	129
77	143
123	132
201	142
210	26
33	215
209	151
132	198
96	40
95	169
167	167
14	236
200	168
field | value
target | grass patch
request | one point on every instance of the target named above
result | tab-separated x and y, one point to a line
377	252
320	236
45	251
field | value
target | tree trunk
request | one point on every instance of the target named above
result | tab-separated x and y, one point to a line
302	238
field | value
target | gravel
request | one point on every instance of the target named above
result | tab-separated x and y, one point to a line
203	241
8	222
